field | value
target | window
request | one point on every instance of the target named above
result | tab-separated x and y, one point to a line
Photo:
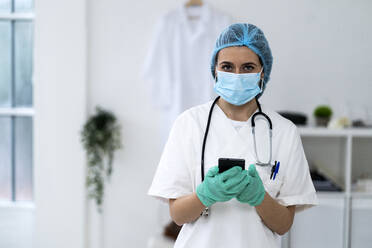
16	100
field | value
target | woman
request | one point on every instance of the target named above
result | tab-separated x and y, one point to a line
248	208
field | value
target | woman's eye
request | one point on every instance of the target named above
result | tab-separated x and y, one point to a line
226	67
248	68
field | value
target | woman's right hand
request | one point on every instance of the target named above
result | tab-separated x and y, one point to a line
221	187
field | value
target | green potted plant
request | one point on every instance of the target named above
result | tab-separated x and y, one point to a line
101	137
322	115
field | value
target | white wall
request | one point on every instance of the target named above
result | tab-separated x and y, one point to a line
119	32
321	54
17	222
60	110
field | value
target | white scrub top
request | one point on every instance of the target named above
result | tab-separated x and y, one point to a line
232	224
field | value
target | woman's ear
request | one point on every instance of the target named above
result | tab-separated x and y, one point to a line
262	79
215	67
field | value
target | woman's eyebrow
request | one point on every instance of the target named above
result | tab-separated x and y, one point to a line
249	63
226	62
246	63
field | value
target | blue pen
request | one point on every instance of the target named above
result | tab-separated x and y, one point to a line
276	170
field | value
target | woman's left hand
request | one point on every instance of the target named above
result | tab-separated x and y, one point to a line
254	192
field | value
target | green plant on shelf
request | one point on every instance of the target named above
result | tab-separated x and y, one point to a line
323	111
323	115
101	137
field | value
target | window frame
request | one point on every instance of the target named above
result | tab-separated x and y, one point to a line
13	111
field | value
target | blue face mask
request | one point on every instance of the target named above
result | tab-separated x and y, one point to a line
236	88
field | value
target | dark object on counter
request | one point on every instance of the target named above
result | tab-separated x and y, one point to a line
172	230
296	118
321	183
359	123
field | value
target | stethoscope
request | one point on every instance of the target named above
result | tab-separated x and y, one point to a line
275	167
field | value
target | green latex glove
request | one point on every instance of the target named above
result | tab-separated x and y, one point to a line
221	187
254	192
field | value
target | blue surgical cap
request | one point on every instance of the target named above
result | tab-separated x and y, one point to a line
244	34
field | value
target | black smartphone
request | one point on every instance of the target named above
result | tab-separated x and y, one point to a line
226	163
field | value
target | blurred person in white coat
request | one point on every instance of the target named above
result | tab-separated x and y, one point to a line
179	53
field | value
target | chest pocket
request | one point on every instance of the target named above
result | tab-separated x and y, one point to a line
271	186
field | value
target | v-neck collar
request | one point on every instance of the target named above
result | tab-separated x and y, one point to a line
235	143
230	124
205	13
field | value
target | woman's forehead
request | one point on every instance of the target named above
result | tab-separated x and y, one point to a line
237	54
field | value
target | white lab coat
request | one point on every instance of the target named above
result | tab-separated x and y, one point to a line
177	65
232	224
